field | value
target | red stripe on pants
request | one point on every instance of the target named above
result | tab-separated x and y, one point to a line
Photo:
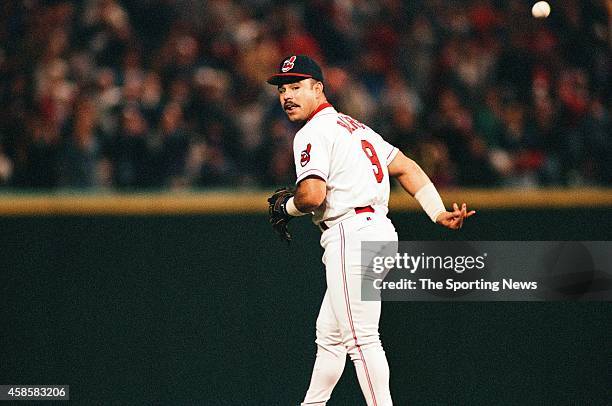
350	317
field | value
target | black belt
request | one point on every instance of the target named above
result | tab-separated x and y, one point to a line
358	210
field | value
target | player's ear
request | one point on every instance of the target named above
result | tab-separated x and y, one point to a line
318	87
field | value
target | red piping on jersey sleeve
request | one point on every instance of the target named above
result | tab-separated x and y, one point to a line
321	107
392	155
309	172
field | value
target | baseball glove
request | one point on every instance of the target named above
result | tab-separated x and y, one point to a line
277	212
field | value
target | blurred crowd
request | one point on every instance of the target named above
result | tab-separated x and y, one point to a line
172	94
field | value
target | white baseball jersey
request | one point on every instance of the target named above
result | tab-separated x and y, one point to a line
349	156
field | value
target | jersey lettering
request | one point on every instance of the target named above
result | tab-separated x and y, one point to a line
354	122
345	125
370	152
349	123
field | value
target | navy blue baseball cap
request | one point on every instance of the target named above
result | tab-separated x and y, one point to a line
295	68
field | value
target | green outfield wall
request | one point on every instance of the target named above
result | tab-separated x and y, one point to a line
214	310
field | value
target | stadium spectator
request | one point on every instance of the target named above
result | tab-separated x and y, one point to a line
172	94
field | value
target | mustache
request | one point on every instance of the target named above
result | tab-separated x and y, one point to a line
290	104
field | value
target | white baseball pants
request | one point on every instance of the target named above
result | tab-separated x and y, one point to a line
346	324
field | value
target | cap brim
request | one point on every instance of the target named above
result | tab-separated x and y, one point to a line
285	78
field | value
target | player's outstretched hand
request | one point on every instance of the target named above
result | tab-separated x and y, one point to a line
454	219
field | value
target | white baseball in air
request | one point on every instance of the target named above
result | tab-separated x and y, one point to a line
541	9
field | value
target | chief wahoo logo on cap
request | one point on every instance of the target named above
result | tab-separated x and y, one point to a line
288	64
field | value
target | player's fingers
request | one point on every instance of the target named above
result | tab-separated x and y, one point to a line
455	207
460	222
453	220
462	215
472	212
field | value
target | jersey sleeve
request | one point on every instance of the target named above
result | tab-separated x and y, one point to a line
387	151
312	153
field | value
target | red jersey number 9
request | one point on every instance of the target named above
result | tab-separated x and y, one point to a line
370	152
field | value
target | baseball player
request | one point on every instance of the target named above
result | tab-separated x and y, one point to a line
343	169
